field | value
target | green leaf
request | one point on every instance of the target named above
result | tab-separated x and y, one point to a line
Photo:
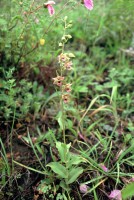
114	93
58	169
82	89
64	196
128	137
63	151
51	97
69	124
17	17
71	55
128	191
3	21
60	120
75	160
73	174
64	185
39	149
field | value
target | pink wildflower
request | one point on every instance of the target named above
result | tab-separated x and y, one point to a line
83	188
58	80
66	98
68	87
63	58
50	8
68	65
81	136
88	4
105	169
115	194
132	179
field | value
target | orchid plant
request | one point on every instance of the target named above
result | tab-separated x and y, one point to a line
65	66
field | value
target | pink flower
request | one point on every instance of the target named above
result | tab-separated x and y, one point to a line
115	194
88	4
132	179
66	98
50	8
67	87
58	80
81	136
105	169
83	188
68	65
63	58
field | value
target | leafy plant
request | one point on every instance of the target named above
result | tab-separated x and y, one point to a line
66	169
19	98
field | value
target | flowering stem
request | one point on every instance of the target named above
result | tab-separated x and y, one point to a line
61	81
63	120
62	103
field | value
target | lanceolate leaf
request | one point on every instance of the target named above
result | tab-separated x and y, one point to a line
58	169
74	160
60	120
63	151
73	174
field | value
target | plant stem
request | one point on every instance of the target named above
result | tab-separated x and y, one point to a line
62	103
68	196
63	121
11	139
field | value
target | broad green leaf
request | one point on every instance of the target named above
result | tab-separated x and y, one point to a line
73	174
128	191
64	185
58	169
63	150
75	160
